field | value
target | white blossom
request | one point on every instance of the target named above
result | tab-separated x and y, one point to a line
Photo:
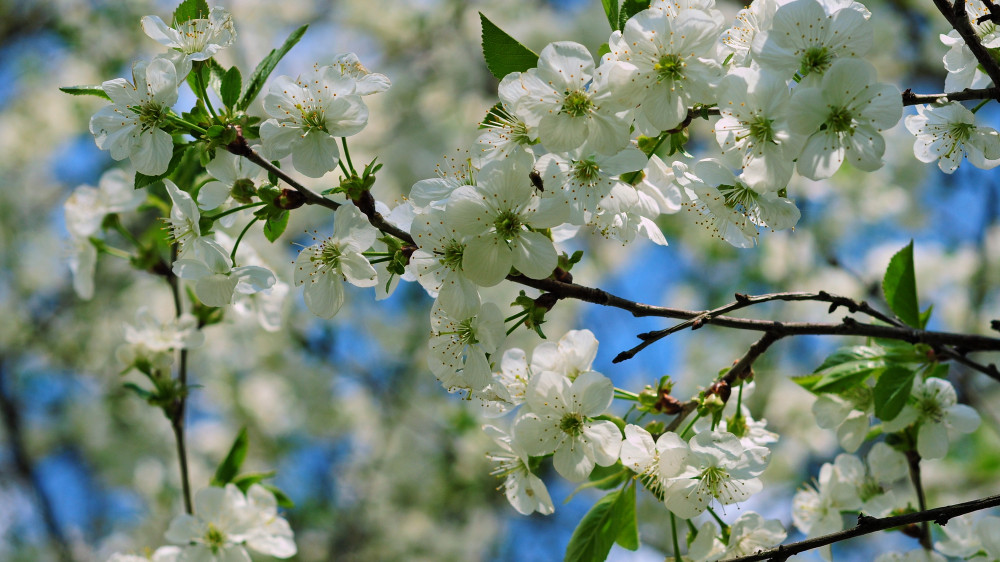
934	407
525	491
945	133
196	39
131	126
324	267
308	114
87	206
460	345
559	419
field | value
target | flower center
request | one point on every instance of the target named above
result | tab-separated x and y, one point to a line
669	67
452	258
508	224
586	171
312	119
712	480
840	120
930	409
328	254
214	538
760	129
815	59
739	197
572	424
151	115
577	103
467	332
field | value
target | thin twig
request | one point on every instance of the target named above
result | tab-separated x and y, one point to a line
958	18
968	94
913	461
867	525
177	409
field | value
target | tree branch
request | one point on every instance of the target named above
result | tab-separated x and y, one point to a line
867	525
909	98
958	18
177	409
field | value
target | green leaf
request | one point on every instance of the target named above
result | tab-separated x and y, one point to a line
847	367
232	85
900	286
494	117
891	391
603	50
628	535
86	91
283	500
503	53
925	317
807	381
139	391
275	226
190	10
266	67
631	8
244	481
611	10
600	527
234	460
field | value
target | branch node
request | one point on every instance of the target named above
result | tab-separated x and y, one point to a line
742	298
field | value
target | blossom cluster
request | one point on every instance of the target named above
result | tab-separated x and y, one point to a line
226	523
570	148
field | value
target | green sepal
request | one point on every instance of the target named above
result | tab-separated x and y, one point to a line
282	498
97	91
603	50
230	465
503	53
266	67
274	226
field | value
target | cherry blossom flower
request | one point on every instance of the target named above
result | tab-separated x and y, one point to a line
569	109
964	70
845	116
366	82
503	214
307	116
438	263
934	407
525	491
216	280
751	533
324	267
586	179
573	354
460	345
196	39
87	206
807	37
131	126
674	69
559	419
151	342
945	133
714	465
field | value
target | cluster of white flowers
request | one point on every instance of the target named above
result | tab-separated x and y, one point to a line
226	522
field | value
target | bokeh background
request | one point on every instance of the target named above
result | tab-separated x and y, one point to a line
383	464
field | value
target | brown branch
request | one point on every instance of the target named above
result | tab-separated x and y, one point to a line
867	525
909	98
958	18
176	410
913	461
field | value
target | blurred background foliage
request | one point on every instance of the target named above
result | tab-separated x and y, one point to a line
382	464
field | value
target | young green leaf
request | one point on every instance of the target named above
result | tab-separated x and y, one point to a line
598	530
191	10
631	8
283	500
275	226
900	287
86	91
847	367
234	460
244	481
891	391
266	67
628	535
232	85
503	53
611	10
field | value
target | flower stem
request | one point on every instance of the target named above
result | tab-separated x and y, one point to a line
690	425
176	410
980	105
626	395
347	155
232	256
218	216
673	531
204	93
913	459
